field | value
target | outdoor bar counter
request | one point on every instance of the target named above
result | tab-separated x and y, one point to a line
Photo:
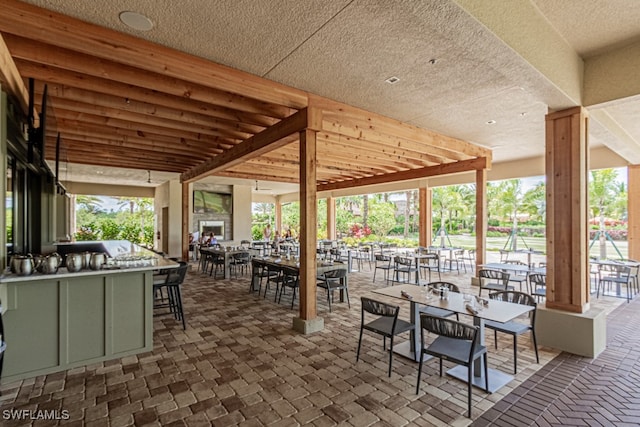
59	321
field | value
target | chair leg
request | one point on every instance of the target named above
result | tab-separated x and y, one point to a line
535	344
359	344
515	354
346	291
390	355
419	372
469	387
486	373
495	338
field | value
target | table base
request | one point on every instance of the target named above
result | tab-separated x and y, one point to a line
497	379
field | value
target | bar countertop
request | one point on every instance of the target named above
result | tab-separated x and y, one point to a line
123	256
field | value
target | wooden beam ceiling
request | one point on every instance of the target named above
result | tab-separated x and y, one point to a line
125	102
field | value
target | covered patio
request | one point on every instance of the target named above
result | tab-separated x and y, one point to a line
146	106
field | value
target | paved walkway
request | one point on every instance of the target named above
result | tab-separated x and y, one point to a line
577	391
240	363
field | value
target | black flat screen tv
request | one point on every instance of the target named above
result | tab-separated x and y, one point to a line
211	202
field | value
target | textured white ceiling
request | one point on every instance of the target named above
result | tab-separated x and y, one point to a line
345	49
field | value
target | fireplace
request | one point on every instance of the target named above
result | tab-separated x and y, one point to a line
215	227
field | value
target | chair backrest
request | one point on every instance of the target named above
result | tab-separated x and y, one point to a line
494	275
378	308
437	285
514	262
175	276
338	273
383	259
617	270
451	329
291	275
516	297
403	260
538	279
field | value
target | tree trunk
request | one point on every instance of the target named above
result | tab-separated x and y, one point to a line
365	210
603	236
514	231
407	210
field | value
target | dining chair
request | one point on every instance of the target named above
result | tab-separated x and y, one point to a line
217	265
538	284
239	261
616	275
456	342
456	259
334	280
430	262
493	280
383	262
385	322
290	279
403	265
517	277
515	327
471	258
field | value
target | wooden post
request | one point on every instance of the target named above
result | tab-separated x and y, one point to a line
425	218
331	218
567	197
481	217
185	221
308	322
633	209
278	208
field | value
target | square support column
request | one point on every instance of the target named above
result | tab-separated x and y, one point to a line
425	218
481	217
308	321
633	209
331	218
567	196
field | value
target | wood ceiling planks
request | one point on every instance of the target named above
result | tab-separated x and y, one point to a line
122	101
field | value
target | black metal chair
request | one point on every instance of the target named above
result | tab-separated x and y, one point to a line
471	258
334	280
404	266
383	262
616	275
538	284
386	324
239	261
456	259
172	283
290	279
456	342
430	262
518	277
493	280
515	327
217	265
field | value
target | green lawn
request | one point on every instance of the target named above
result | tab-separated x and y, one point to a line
536	243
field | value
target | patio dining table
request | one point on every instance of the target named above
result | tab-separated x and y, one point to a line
228	254
499	311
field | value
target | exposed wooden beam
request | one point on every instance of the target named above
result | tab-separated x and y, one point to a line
271	138
10	77
445	169
54	75
45	26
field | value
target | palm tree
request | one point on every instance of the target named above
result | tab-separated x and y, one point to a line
508	202
91	204
603	191
407	212
446	201
365	209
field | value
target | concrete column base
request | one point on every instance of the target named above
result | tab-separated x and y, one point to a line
584	334
308	326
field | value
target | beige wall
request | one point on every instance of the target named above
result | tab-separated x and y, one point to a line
241	213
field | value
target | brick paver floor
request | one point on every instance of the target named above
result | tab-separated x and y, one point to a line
240	363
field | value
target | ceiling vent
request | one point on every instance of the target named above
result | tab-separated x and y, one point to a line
392	80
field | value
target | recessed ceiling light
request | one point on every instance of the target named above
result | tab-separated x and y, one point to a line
136	20
433	61
523	114
491	122
99	172
392	80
